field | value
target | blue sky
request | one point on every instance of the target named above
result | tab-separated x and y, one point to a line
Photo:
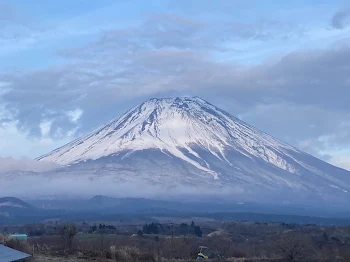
67	67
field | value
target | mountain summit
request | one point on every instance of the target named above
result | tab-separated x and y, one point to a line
188	141
176	126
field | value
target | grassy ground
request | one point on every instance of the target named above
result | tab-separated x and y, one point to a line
113	237
88	237
46	258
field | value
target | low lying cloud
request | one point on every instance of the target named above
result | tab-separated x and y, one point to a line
54	186
58	185
25	164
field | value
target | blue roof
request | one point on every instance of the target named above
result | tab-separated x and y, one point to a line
9	254
24	236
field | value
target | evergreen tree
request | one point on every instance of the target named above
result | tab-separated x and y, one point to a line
198	231
150	228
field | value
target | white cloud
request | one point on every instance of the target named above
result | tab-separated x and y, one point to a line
45	128
4	84
342	161
305	144
18	143
72	132
58	133
74	115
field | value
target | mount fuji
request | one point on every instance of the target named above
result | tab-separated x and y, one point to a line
190	143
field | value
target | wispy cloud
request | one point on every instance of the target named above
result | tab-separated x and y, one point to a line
18	140
341	19
18	29
74	115
45	128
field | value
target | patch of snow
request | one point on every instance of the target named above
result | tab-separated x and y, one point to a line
10	204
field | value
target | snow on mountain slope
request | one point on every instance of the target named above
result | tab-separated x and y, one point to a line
13	202
200	137
171	124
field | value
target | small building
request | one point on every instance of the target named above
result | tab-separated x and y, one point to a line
8	254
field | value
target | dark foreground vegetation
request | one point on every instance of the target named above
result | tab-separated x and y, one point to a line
234	241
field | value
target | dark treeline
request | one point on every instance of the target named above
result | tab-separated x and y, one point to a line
37	216
252	241
173	229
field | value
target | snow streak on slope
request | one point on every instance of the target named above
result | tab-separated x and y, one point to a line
176	126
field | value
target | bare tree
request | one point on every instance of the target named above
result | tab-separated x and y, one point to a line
294	248
68	233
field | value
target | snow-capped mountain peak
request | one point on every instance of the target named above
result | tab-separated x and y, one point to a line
176	126
188	141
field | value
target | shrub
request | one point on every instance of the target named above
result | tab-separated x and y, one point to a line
238	254
18	245
68	234
128	254
149	257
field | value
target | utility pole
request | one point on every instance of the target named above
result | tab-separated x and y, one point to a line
158	251
172	241
158	255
